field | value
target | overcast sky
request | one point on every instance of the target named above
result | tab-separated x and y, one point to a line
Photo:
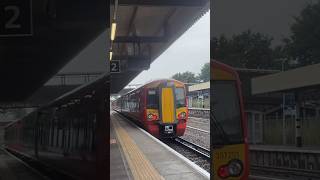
188	53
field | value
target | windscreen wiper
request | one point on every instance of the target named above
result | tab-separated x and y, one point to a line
218	129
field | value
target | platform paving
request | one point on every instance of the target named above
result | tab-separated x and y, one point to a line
143	154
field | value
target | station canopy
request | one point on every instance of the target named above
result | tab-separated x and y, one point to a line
304	78
145	29
51	34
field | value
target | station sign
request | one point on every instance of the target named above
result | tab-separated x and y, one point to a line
289	110
290	103
15	18
115	66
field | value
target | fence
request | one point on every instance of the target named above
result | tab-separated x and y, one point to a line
272	128
199	112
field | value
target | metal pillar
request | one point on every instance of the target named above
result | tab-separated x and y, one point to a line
283	120
36	135
298	122
102	127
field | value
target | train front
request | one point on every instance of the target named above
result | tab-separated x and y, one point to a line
166	108
228	125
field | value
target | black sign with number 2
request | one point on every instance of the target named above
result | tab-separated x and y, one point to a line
15	18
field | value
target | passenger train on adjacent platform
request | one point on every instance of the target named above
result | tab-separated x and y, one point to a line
228	125
160	107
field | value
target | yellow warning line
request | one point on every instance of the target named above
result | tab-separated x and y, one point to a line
140	166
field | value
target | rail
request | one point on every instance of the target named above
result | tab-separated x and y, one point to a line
194	147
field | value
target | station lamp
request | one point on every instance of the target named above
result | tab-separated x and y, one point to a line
113	29
110	55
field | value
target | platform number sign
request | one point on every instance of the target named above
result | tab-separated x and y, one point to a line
15	18
115	66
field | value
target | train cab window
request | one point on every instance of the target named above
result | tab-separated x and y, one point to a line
226	113
152	99
180	97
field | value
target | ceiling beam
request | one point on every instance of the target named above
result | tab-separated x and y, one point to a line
131	58
140	39
161	2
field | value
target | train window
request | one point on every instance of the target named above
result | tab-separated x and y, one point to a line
152	99
180	97
227	128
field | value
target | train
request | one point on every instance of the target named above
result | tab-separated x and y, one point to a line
228	124
160	107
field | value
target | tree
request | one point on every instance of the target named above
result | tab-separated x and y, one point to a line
245	50
186	77
304	43
204	75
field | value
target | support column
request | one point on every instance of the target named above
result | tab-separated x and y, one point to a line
283	120
298	122
36	134
102	130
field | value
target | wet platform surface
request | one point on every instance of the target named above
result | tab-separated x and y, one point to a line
135	155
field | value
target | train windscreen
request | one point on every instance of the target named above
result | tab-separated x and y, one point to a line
225	114
152	99
180	97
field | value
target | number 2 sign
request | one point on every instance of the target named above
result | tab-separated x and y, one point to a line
115	66
15	18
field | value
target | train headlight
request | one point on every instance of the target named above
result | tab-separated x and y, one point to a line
182	115
223	172
233	169
150	116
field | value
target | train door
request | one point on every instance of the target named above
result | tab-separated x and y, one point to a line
167	108
167	105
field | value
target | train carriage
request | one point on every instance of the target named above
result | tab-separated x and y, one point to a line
229	143
159	106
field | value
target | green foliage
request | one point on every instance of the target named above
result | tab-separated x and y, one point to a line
189	77
204	75
186	77
245	50
304	43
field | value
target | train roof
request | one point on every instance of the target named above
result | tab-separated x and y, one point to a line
152	82
224	67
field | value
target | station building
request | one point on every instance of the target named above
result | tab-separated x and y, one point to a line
295	120
199	95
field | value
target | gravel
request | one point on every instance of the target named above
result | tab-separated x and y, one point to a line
191	155
195	136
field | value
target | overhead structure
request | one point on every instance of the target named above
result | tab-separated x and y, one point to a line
144	29
295	79
42	39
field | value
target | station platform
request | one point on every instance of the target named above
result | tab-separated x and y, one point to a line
135	154
13	169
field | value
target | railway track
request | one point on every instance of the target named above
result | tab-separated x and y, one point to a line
45	171
286	173
198	129
194	152
194	147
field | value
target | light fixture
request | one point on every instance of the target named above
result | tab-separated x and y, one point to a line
110	55
113	30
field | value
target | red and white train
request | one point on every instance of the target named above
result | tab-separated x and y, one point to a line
160	107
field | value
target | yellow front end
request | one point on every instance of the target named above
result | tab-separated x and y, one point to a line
167	105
